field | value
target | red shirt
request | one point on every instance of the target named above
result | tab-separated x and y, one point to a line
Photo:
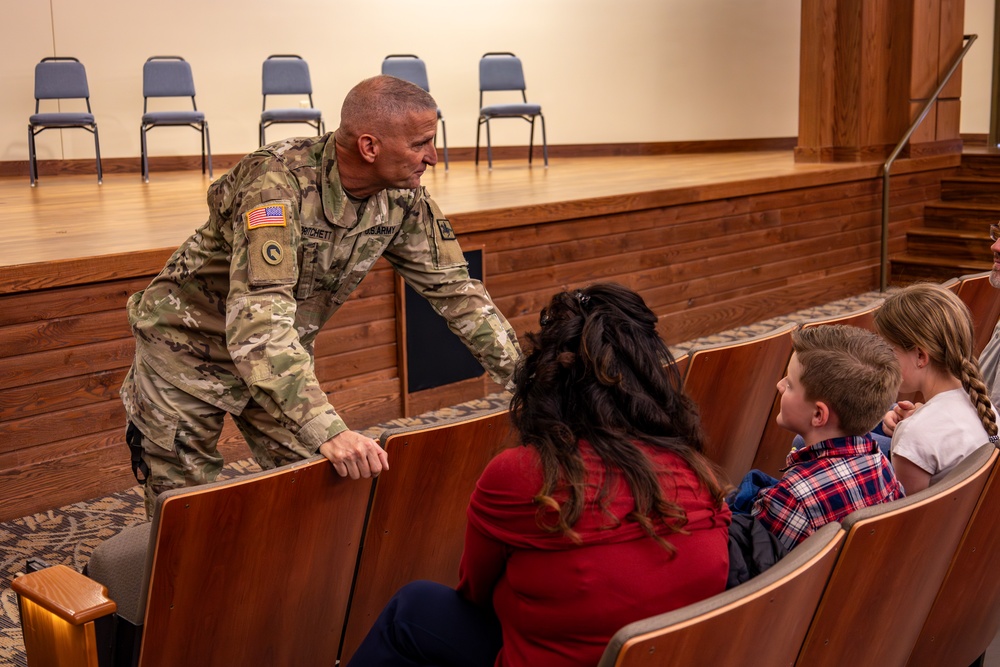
558	602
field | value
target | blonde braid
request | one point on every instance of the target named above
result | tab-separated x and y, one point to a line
972	382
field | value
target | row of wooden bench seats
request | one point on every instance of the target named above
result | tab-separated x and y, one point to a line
735	388
911	582
258	568
282	567
291	566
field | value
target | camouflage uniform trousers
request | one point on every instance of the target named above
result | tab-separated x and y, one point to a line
180	434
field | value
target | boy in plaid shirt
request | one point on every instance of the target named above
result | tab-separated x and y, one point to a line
840	380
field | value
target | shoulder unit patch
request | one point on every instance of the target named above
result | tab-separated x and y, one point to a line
444	227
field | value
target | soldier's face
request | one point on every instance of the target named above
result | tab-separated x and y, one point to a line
406	154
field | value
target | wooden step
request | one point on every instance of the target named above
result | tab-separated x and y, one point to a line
965	216
984	164
949	244
971	189
910	267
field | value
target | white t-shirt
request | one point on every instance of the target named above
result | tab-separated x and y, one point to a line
989	365
940	433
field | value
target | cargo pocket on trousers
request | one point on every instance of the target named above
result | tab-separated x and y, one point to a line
158	425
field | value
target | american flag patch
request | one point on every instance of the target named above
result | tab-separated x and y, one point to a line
270	215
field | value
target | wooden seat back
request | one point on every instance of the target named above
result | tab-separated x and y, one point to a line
243	570
681	361
953	284
776	441
983	301
734	385
761	622
965	617
889	571
416	524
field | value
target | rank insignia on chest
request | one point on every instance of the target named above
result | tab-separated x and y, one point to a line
444	227
268	215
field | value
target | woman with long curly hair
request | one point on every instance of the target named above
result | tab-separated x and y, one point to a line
608	513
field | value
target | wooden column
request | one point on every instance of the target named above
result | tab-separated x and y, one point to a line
866	69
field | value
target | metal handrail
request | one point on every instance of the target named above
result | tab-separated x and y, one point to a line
884	269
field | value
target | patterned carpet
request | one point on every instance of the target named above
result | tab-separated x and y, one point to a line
67	535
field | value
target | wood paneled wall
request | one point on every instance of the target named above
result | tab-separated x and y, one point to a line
867	68
703	262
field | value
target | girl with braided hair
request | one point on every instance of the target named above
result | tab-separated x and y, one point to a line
607	512
931	332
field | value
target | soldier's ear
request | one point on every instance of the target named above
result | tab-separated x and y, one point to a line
368	147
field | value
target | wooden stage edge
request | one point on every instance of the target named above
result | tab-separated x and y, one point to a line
711	240
221	162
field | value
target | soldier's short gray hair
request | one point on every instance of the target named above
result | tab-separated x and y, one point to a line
376	104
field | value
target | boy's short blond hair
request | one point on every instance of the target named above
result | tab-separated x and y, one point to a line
850	369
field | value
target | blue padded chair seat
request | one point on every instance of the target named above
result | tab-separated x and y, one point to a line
170	77
57	78
62	118
179	117
511	110
291	114
501	71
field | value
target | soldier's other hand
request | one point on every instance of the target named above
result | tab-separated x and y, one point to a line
355	455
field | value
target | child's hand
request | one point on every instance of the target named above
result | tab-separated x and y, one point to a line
899	412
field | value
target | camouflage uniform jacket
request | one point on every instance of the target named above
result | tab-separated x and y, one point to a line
234	314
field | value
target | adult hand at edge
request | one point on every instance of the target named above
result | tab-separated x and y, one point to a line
355	455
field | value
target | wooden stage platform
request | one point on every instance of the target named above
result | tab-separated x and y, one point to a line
69	218
712	241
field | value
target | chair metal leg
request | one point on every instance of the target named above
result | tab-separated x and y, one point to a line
489	145
142	151
97	150
32	166
207	150
545	143
261	133
531	140
444	142
479	126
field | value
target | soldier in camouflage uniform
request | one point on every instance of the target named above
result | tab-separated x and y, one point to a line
229	325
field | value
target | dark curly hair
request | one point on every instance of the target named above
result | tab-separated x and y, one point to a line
597	370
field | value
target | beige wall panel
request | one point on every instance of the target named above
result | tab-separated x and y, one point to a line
977	68
604	72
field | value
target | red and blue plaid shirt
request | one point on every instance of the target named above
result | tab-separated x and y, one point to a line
824	483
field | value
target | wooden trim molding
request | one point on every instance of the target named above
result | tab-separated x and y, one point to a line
130	165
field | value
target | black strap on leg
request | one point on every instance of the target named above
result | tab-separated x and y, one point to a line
133	438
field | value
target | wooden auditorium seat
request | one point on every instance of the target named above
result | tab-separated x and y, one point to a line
681	361
776	441
893	561
761	622
251	570
734	385
416	523
953	284
965	618
983	301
